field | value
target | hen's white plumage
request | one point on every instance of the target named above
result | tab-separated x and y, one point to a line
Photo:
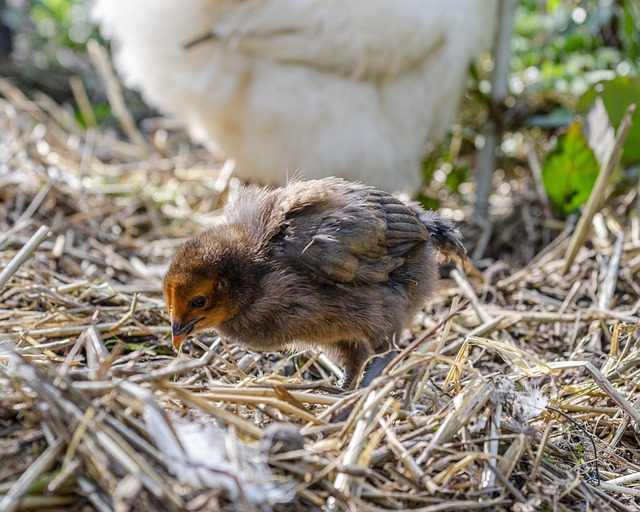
323	87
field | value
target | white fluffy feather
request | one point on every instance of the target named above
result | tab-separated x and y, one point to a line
323	87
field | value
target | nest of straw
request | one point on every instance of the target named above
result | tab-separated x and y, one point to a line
517	390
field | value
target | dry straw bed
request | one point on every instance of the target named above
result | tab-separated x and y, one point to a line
517	390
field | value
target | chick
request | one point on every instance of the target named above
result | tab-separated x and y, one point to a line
323	264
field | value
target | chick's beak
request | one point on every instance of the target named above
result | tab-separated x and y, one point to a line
180	331
178	340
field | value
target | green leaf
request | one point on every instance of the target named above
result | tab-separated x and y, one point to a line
428	168
429	203
617	95
570	171
458	175
61	9
553	5
631	17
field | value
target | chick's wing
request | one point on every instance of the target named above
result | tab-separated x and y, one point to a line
361	236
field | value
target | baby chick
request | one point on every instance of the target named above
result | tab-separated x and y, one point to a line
324	263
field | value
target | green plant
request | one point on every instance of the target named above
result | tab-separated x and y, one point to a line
570	171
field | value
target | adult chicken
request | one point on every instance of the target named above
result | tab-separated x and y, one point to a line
304	87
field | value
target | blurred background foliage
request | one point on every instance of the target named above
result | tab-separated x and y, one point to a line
566	55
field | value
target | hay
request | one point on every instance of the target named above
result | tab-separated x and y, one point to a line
503	399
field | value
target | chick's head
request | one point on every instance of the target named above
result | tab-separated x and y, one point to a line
204	286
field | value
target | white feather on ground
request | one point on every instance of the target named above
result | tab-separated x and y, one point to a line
205	456
318	87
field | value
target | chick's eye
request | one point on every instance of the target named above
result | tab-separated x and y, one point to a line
199	302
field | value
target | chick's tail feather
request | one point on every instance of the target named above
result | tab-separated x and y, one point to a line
445	236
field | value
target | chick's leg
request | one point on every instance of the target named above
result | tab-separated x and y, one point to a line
376	366
383	353
352	355
356	357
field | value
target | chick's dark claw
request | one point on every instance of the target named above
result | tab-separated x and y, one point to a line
324	264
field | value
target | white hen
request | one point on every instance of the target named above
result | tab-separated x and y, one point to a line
352	88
